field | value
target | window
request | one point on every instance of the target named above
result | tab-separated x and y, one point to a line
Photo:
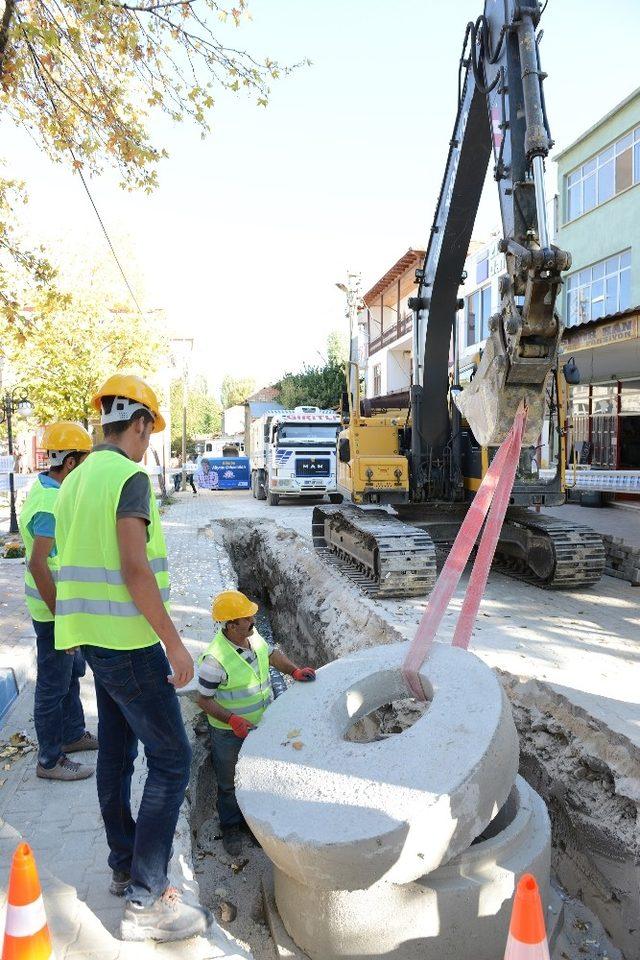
377	380
482	268
599	290
610	172
478	307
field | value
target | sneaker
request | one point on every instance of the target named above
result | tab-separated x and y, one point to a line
120	880
232	841
168	918
65	769
86	742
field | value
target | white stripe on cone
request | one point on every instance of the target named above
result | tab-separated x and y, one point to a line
516	950
27	920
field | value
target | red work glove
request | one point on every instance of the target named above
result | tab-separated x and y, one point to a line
304	674
241	727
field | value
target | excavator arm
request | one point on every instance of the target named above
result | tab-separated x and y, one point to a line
501	110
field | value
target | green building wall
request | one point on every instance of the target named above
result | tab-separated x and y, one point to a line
613	226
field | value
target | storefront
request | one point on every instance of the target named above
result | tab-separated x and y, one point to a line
604	410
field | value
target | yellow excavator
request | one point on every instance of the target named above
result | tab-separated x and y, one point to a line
425	454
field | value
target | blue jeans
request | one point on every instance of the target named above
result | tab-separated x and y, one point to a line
225	747
136	702
57	708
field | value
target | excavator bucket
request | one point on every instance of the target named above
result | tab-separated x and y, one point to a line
490	402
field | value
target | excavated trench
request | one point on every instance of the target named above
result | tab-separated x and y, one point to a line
588	776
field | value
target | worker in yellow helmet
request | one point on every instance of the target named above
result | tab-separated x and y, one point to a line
234	688
113	593
57	709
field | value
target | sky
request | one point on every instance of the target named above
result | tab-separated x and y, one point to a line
251	229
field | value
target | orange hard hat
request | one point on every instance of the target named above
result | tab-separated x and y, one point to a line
232	605
65	435
130	387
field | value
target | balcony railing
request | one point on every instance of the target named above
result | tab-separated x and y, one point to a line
391	334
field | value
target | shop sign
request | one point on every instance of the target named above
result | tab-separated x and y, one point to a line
617	330
497	261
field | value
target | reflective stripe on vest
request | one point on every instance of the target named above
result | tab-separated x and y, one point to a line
93	604
40	499
245	692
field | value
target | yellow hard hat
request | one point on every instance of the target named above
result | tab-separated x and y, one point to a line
232	605
65	435
131	388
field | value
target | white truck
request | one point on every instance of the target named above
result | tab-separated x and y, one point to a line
293	454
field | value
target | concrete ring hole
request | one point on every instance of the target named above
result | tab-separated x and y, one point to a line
377	707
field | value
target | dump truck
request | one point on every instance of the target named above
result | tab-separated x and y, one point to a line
293	454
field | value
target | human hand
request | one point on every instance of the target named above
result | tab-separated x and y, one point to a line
241	727
181	664
304	674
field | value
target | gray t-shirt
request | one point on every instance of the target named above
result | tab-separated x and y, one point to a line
136	494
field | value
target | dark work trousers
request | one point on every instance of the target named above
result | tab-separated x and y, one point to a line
137	703
57	708
225	747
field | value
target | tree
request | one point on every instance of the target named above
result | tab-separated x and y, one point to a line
204	415
74	349
235	390
337	347
85	77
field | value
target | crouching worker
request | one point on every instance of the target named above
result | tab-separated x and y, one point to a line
234	691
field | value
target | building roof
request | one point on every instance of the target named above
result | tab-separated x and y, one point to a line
264	394
407	260
587	133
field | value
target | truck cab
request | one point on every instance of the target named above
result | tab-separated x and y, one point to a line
293	455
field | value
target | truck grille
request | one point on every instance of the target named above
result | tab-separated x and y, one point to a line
313	467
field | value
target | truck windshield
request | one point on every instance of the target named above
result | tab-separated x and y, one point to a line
308	431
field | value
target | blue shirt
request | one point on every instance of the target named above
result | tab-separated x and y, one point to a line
43	524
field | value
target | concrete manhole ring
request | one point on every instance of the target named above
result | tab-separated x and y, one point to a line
340	815
466	901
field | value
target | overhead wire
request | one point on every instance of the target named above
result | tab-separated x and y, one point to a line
77	165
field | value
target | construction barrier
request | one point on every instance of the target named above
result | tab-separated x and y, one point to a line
527	935
26	934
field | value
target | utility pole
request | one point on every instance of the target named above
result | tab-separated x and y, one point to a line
353	306
182	347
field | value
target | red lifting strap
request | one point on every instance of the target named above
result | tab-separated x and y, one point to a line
492	498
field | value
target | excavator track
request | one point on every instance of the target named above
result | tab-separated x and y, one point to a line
559	555
383	556
388	557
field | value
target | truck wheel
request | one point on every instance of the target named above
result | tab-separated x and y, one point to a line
260	482
336	498
273	499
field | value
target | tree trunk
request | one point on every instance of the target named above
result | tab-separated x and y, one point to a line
9	9
163	486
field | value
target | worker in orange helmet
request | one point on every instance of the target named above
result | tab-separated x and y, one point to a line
234	689
113	599
57	710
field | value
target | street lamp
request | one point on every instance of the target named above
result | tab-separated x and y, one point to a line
14	402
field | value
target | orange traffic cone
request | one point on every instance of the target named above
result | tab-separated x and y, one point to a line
527	936
26	935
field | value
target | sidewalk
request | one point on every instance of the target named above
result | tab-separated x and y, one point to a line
62	821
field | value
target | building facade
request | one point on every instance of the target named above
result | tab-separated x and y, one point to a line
599	223
388	325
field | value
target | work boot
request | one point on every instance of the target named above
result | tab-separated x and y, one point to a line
168	918
86	742
120	880
65	769
232	841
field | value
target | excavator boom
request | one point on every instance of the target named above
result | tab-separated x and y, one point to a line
500	110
